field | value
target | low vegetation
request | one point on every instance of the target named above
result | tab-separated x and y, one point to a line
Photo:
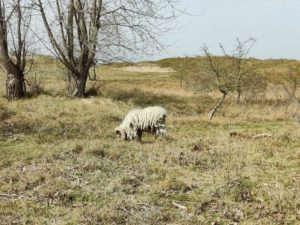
60	162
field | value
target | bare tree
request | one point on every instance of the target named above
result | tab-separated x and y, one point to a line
15	18
82	32
244	69
290	83
232	72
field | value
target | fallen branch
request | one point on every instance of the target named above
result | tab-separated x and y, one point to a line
263	135
14	196
246	136
179	206
239	135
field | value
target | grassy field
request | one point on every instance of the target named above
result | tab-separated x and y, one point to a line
60	162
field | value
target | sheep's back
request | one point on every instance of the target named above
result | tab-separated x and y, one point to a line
150	117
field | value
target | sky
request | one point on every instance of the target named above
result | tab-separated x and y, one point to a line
274	23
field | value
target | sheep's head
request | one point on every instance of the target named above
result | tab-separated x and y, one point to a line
121	133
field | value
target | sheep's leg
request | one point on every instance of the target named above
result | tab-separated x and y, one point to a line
156	132
160	130
161	133
139	135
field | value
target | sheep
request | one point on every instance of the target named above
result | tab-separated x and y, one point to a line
150	120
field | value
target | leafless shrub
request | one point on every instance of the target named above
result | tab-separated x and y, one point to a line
290	83
36	83
231	73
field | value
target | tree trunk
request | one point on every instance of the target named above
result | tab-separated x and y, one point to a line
77	85
15	86
213	112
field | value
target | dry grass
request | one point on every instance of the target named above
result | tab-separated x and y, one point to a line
60	162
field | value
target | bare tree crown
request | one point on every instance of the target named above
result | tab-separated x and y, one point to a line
84	31
15	19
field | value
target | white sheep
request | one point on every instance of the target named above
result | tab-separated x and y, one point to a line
150	120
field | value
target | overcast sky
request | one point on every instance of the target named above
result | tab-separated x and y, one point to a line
274	23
